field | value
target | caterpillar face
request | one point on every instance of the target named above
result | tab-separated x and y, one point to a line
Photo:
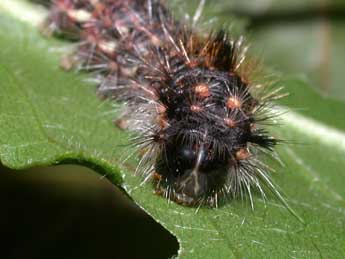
191	173
186	96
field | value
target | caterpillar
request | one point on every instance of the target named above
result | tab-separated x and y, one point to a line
196	114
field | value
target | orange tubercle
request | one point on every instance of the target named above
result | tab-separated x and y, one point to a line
195	108
242	154
233	102
230	122
202	90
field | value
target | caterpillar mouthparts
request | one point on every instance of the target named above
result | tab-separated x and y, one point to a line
195	113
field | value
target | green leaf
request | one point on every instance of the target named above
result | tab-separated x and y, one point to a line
48	116
298	37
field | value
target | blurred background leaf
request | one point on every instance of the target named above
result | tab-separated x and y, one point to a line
298	37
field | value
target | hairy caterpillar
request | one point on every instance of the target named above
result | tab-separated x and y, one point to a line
196	113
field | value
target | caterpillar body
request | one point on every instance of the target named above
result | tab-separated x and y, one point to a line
187	96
